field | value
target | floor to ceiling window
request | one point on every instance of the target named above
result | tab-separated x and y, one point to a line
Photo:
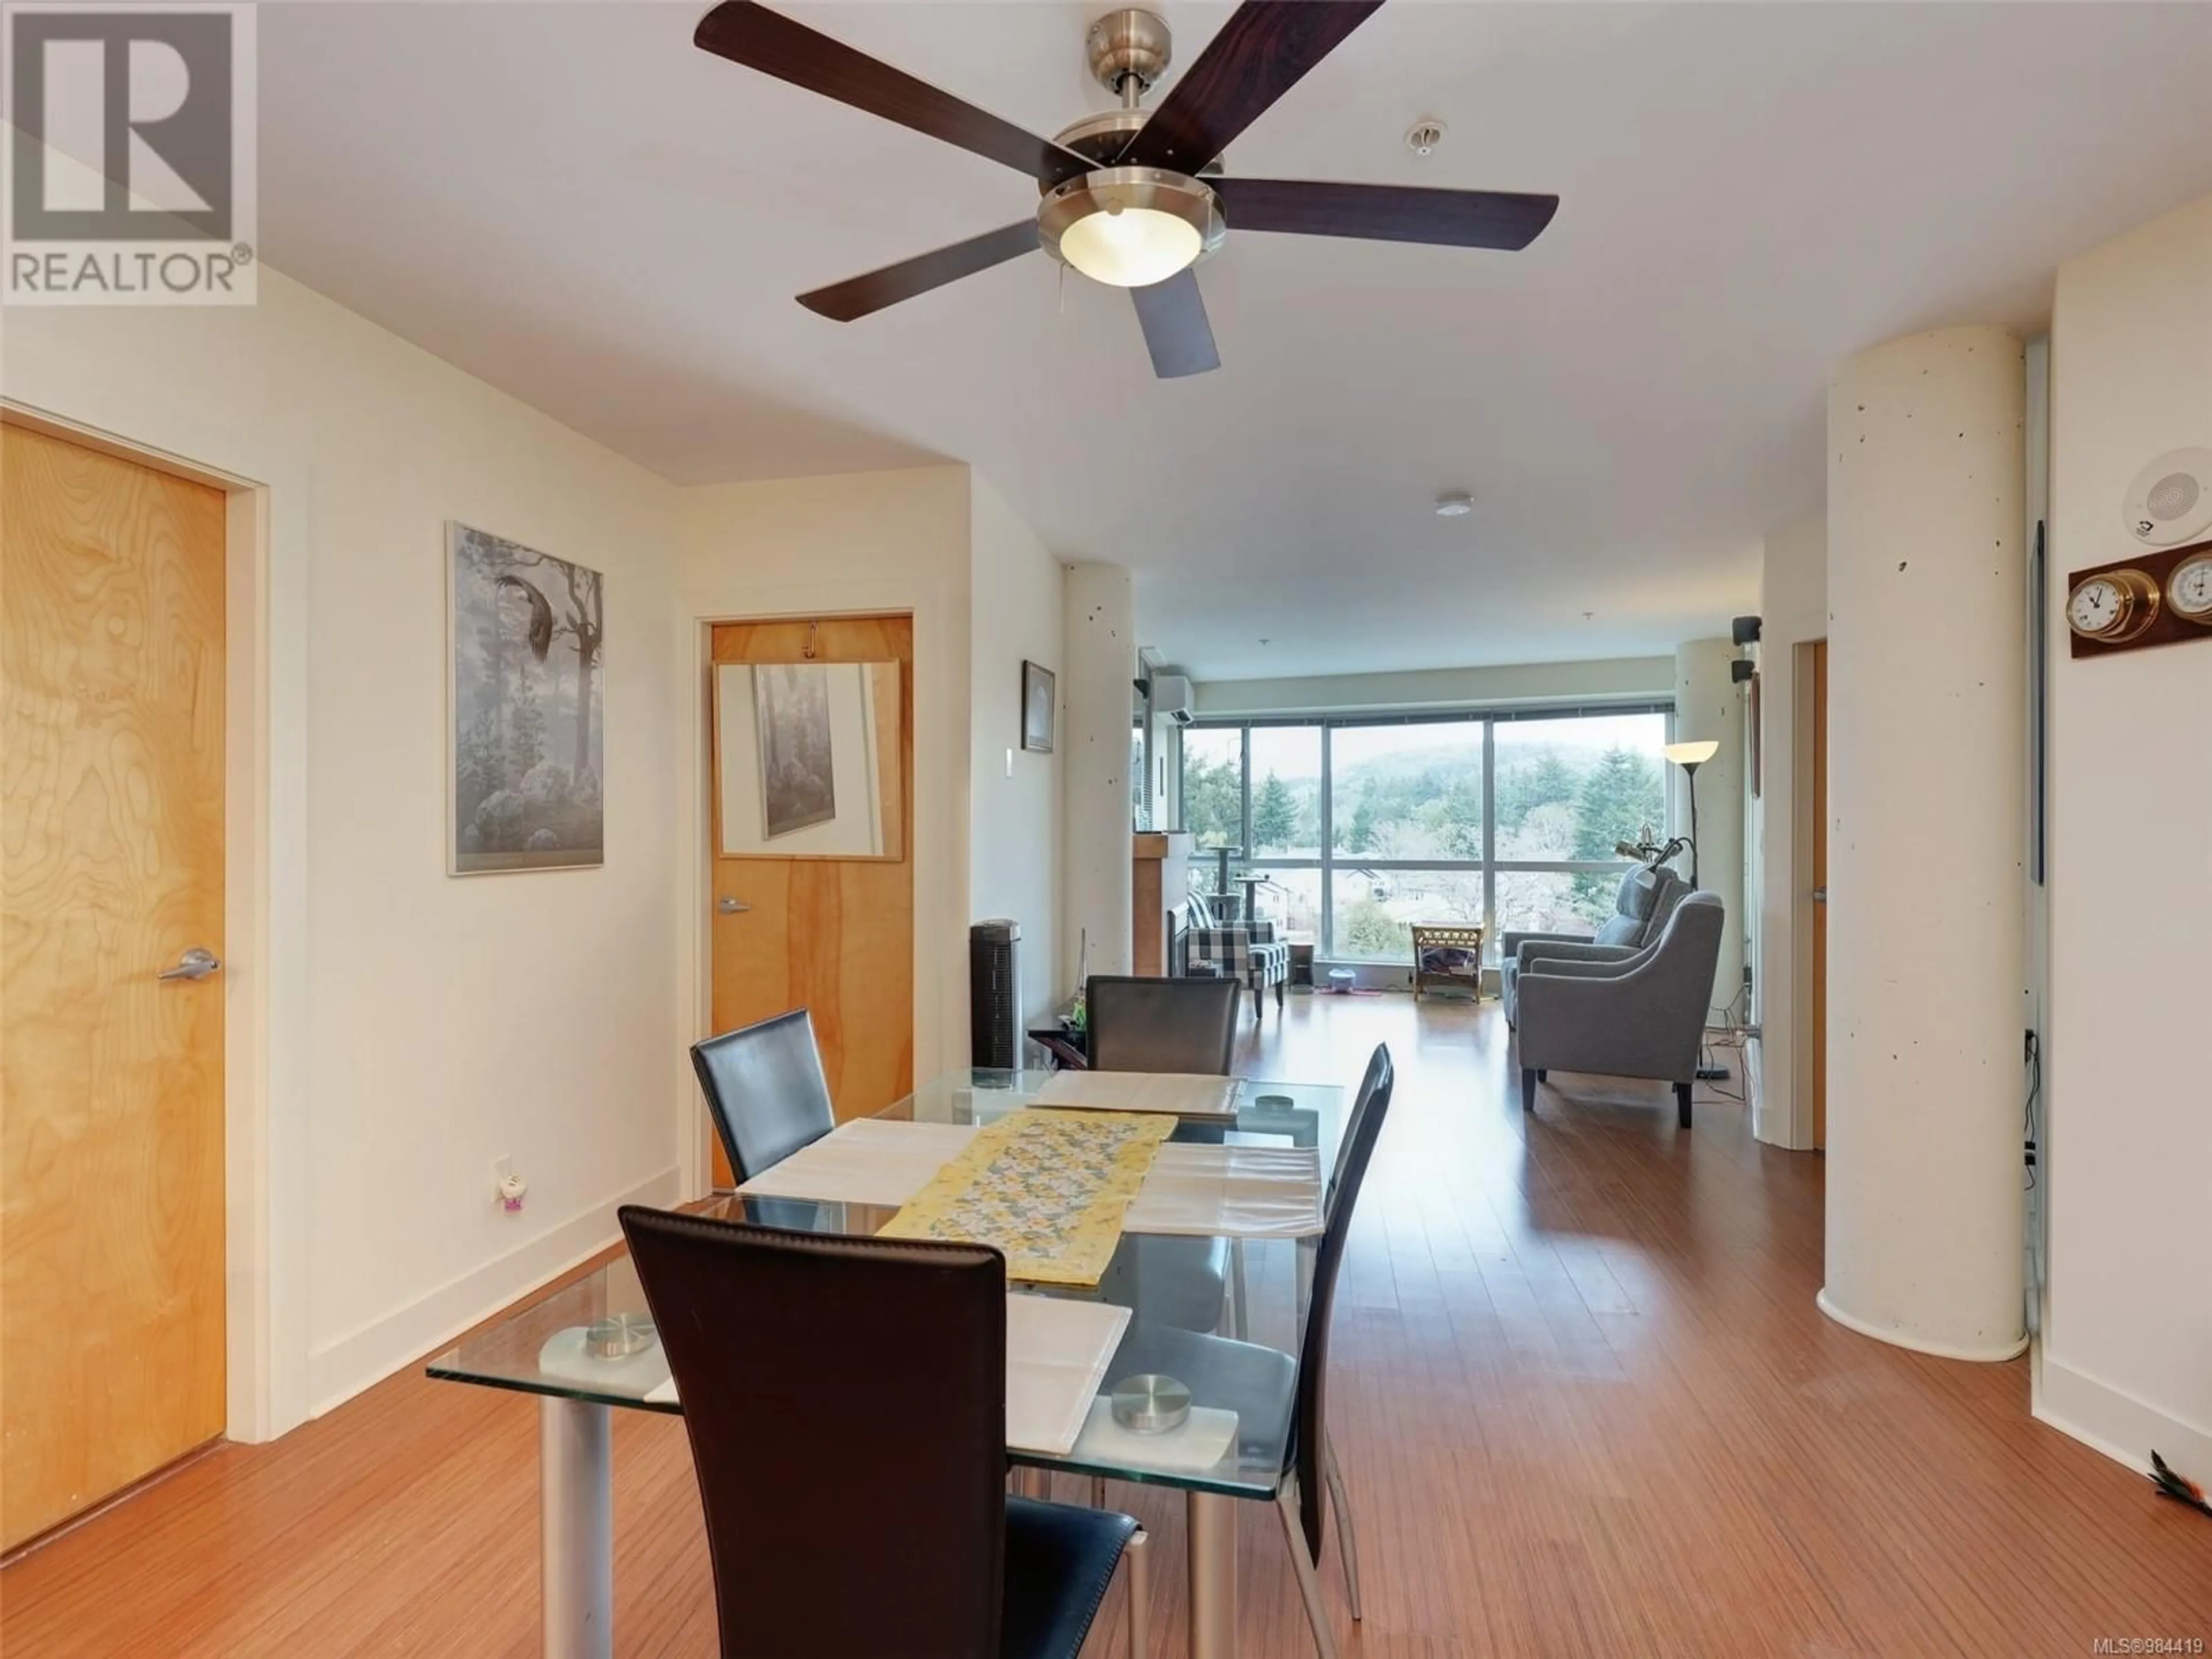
1364	825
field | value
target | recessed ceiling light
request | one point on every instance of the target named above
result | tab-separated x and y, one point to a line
1455	504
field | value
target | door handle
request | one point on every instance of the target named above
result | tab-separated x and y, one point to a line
730	907
195	963
1820	895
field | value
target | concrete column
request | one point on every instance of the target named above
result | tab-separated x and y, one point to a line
1097	687
1707	704
1926	717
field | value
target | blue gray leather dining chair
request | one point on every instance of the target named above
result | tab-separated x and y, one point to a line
1258	1381
846	1401
1140	1024
765	1091
1148	1025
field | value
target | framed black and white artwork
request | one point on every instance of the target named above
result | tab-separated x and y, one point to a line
526	635
1039	694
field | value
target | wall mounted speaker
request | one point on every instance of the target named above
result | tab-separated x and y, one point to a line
1744	630
2170	502
1742	670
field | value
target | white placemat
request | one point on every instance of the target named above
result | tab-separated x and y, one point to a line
1198	1443
1182	1094
1230	1192
1191	1191
1057	1352
871	1160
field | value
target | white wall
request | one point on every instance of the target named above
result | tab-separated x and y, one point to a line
2127	1354
856	543
1710	704
429	1024
1014	840
1619	678
420	1023
1793	608
1097	690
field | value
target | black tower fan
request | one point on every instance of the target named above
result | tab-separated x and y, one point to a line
995	992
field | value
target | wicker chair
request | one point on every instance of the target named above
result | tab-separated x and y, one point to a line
1447	956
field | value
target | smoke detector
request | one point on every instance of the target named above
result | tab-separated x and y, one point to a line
1423	135
1455	504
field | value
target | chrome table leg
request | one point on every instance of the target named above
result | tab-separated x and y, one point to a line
1212	1528
1137	1557
1243	1329
575	1528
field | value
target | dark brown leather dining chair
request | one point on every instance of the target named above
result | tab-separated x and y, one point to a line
765	1091
846	1401
1161	1024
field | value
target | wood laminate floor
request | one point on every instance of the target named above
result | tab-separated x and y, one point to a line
1584	1399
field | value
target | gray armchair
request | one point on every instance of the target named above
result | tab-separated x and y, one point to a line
1644	1016
1647	897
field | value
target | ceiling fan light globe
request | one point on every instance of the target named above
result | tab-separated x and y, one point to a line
1130	227
1133	247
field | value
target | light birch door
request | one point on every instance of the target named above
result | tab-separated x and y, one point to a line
835	936
112	708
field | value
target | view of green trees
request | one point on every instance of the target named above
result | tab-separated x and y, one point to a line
1564	789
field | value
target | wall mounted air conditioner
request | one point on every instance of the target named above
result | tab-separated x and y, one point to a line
1171	698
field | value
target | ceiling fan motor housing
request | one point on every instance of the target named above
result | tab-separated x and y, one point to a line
1129	44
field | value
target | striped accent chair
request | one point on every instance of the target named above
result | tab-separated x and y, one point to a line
1246	951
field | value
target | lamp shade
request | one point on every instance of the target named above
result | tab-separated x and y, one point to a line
1695	752
1131	248
1130	227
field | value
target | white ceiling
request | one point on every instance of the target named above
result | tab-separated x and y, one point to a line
574	203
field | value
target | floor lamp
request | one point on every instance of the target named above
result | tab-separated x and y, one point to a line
1690	757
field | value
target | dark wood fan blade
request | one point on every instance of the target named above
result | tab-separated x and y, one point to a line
857	296
771	43
1173	316
1262	52
1386	213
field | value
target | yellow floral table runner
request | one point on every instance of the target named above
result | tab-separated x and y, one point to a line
1047	1188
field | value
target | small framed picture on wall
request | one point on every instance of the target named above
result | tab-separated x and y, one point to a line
1039	694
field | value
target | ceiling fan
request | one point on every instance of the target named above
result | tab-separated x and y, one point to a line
1133	198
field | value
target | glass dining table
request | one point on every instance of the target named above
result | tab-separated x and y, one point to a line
559	1347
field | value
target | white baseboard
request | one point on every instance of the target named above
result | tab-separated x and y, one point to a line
342	1369
1989	1354
2117	1423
